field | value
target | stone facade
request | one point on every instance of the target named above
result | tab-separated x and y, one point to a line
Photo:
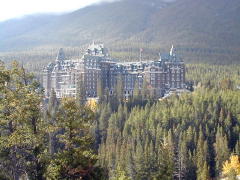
96	66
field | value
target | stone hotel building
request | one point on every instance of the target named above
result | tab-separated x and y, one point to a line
95	66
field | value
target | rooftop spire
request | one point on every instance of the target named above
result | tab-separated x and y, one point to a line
172	51
61	55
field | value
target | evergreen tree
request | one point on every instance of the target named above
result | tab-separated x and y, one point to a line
166	159
81	92
103	121
237	148
120	175
120	88
136	93
100	90
181	160
221	149
76	158
202	157
204	174
145	90
22	130
51	116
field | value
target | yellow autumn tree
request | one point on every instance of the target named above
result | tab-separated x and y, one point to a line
121	174
232	166
92	104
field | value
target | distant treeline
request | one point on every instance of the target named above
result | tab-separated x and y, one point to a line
35	59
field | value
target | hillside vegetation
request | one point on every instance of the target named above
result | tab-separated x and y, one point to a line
188	136
202	30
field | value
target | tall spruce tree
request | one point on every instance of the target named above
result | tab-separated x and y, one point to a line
76	158
80	92
22	129
103	120
100	89
221	149
51	118
120	88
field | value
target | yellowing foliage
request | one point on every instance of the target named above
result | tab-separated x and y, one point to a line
92	104
233	164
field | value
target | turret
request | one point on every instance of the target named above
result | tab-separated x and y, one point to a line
61	55
172	51
97	50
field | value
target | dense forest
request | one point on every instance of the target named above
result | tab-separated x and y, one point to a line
190	136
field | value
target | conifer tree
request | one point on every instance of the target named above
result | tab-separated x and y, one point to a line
120	175
136	93
166	159
204	174
130	168
221	149
202	157
76	158
103	121
51	116
181	159
237	148
80	92
120	88
22	129
141	171
100	90
145	90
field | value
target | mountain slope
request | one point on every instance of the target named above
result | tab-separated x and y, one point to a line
201	29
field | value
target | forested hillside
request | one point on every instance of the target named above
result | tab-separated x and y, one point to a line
194	135
202	30
190	136
182	137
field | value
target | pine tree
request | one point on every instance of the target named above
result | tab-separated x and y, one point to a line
145	90
80	92
51	118
120	89
76	158
204	174
136	93
191	170
202	157
181	159
103	121
237	148
22	131
221	149
166	159
120	175
141	171
100	90
130	168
